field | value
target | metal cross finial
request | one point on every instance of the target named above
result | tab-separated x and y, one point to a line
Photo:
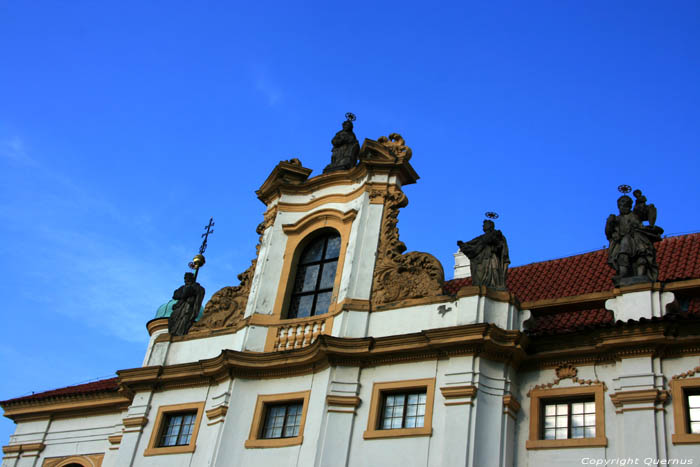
205	235
198	261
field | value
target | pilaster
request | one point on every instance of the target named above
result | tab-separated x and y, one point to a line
341	404
135	419
476	394
639	400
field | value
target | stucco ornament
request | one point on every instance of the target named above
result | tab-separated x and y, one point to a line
396	146
567	371
399	276
227	306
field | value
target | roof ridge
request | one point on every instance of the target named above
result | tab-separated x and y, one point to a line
599	249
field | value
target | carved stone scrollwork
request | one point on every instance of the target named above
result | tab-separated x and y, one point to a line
396	146
565	371
399	276
227	306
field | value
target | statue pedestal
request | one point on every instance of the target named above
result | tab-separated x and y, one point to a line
630	280
480	304
641	300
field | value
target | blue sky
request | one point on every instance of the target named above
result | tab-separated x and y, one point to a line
125	125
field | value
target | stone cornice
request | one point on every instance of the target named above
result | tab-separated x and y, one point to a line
659	338
641	396
93	402
482	339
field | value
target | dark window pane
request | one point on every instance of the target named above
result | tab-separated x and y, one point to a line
328	275
313	252
301	306
322	303
403	410
333	247
177	429
307	277
282	421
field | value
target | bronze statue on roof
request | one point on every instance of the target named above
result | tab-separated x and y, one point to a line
189	301
488	256
346	148
631	252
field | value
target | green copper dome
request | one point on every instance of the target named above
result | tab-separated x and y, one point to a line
166	309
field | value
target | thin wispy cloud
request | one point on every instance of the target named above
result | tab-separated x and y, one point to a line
14	150
85	271
267	87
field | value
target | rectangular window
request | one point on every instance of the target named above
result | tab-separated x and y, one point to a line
567	417
175	429
403	410
568	420
685	395
278	420
693	404
283	420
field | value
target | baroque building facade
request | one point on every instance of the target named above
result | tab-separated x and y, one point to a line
338	348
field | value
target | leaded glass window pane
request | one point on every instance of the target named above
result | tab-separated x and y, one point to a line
177	429
328	275
282	420
568	420
403	410
694	413
315	277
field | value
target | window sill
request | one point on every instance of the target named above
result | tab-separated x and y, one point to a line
169	450
397	433
566	443
685	438
273	442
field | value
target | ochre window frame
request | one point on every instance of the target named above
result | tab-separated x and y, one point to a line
542	395
153	449
680	412
379	389
255	439
298	236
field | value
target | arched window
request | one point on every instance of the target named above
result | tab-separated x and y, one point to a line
315	276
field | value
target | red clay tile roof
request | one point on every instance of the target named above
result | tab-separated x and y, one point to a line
102	385
678	258
569	321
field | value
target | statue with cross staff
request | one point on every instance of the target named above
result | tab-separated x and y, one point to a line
189	296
